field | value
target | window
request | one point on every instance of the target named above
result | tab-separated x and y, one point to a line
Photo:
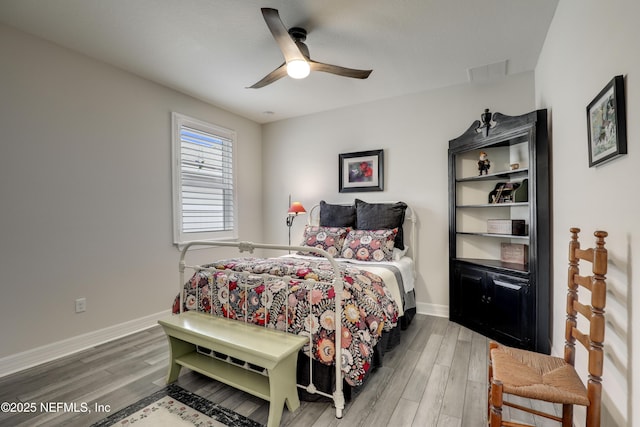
204	199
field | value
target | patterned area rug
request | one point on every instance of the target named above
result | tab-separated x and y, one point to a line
176	407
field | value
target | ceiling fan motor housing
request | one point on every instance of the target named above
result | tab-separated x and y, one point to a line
298	34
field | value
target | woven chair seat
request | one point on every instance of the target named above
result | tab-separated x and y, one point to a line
537	376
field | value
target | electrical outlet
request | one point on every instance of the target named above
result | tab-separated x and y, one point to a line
81	305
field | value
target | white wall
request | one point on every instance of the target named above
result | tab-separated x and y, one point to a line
85	207
85	192
300	158
588	43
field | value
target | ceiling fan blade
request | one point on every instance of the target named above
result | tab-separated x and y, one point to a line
340	71
280	33
276	74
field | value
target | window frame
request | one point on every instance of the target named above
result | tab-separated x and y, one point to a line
180	237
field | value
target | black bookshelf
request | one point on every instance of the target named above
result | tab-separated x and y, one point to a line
506	300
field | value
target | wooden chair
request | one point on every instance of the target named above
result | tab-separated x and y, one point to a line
553	379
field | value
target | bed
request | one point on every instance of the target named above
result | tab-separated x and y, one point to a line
353	273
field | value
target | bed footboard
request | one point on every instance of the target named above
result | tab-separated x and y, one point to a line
264	279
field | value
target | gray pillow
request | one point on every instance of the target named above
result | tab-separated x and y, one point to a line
337	215
377	216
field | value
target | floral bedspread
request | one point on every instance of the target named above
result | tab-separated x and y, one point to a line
368	307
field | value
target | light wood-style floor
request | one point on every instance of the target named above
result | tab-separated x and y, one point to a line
436	377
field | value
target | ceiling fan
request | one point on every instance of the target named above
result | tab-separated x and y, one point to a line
297	63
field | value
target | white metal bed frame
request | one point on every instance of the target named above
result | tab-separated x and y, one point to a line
338	285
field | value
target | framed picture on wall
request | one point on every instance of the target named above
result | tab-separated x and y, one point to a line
361	171
607	125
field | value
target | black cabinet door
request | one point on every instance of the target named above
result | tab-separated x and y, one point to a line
473	301
469	301
510	311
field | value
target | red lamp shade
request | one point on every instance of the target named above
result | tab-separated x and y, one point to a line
296	208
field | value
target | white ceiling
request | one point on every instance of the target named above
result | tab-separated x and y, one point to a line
214	49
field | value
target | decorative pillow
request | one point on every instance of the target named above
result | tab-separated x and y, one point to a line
369	245
377	216
330	239
337	215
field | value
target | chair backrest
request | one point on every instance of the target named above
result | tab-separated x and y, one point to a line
595	282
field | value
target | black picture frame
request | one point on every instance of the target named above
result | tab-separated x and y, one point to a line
361	171
607	124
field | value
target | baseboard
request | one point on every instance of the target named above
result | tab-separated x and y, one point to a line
437	310
39	355
49	352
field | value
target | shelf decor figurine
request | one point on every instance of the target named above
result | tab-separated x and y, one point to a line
483	164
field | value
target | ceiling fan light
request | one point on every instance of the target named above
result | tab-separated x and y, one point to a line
298	69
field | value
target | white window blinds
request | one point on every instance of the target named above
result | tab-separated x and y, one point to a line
204	193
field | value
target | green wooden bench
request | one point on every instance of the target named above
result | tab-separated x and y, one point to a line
275	351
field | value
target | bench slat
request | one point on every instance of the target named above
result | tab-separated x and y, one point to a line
240	378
